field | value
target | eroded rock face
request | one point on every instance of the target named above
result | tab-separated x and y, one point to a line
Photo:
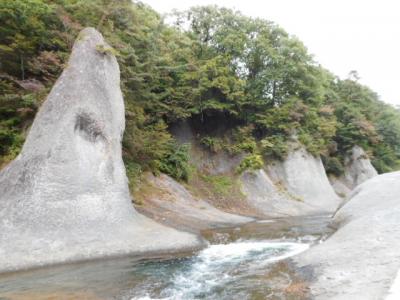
357	169
65	197
304	177
272	199
341	189
205	160
361	259
297	186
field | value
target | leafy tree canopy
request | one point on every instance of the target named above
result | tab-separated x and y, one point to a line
205	63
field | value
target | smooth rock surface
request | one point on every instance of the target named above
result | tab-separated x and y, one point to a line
341	189
361	259
65	197
272	200
304	177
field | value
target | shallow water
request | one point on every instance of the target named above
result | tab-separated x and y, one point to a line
247	262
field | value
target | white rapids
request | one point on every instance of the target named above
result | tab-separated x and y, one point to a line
219	266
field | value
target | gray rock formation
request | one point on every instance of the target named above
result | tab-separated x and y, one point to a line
173	204
357	169
304	177
296	186
65	197
271	199
341	189
361	259
203	159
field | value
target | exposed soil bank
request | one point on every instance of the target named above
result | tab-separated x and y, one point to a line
171	203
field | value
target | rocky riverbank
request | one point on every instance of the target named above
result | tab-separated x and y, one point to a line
361	259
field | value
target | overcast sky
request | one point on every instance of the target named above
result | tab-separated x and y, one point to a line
343	35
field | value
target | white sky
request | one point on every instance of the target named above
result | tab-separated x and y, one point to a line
362	35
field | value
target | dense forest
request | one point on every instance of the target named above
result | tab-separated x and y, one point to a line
205	65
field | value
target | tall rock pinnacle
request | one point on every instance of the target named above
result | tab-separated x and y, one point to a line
66	197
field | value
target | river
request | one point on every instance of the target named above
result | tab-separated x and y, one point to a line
245	262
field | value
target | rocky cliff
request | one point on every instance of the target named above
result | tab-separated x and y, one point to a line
65	197
361	259
272	199
357	169
296	186
304	176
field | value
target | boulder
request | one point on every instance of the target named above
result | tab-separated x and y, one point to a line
361	259
66	197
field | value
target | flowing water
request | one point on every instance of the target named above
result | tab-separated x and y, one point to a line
246	262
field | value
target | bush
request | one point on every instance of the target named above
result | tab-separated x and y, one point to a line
133	172
243	140
212	143
274	147
222	185
333	166
250	162
176	162
385	159
314	146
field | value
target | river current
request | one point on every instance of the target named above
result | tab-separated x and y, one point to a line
246	262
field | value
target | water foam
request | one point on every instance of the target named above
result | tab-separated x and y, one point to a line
220	265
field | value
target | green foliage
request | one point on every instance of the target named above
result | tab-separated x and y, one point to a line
313	145
250	163
212	144
385	158
239	140
365	121
213	62
222	185
333	166
106	50
274	147
176	162
133	172
26	29
243	141
29	43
